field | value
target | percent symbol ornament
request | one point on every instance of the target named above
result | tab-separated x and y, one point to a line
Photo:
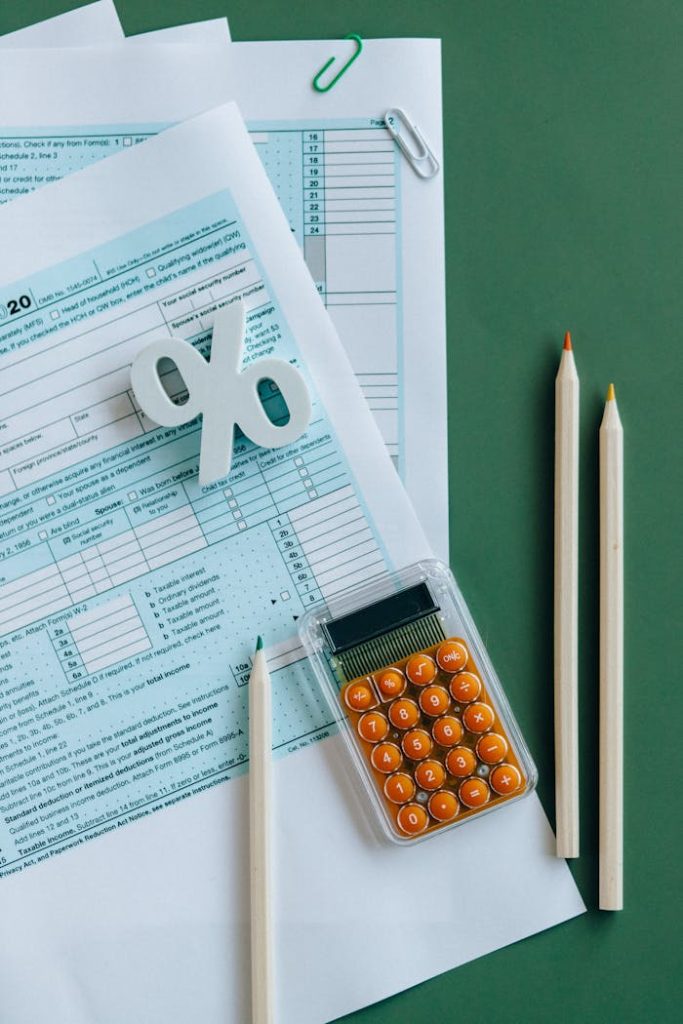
226	395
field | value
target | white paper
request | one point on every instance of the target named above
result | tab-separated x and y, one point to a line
151	919
139	85
96	23
271	81
215	30
383	283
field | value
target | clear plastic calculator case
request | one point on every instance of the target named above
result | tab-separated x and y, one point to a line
419	704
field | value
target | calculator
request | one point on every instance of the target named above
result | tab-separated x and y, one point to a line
422	710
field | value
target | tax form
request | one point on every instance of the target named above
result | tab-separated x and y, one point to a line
96	23
129	601
370	229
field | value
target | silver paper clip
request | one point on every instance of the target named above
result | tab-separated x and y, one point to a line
419	155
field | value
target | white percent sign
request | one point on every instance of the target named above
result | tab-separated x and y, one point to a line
226	395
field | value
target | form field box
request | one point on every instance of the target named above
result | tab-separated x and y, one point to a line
34	444
369	334
92	444
361	263
109	633
103	413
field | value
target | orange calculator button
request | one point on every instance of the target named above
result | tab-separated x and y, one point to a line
451	656
404	713
391	682
412	819
491	748
474	793
373	727
359	697
386	757
478	717
505	779
443	806
430	775
399	788
420	669
447	731
417	744
465	687
434	700
461	762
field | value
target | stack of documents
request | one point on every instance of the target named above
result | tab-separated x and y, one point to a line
144	184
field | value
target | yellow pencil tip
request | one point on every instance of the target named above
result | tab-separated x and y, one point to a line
610	393
568	342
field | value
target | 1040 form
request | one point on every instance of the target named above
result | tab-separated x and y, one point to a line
126	588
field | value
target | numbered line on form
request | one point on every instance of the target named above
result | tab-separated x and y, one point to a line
103	636
336	540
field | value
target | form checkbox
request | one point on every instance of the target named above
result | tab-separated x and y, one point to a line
42	534
308	483
232	503
285	595
312	494
128	141
303	472
241	525
51	499
55	314
151	272
228	492
237	514
132	495
298	461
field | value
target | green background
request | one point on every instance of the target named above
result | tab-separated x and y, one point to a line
562	174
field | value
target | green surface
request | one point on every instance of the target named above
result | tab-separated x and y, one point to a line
563	169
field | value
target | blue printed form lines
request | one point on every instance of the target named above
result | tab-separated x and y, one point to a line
126	590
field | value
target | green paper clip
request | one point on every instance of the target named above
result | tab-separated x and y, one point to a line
326	88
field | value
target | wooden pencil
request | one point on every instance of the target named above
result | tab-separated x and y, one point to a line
260	744
611	656
566	604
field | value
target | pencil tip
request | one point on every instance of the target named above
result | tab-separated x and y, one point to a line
610	393
259	643
567	342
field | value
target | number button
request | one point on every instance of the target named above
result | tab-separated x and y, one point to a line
373	727
417	744
430	775
412	819
385	757
447	731
461	762
404	713
399	788
434	700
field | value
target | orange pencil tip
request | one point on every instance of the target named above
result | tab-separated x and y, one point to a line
568	342
610	393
